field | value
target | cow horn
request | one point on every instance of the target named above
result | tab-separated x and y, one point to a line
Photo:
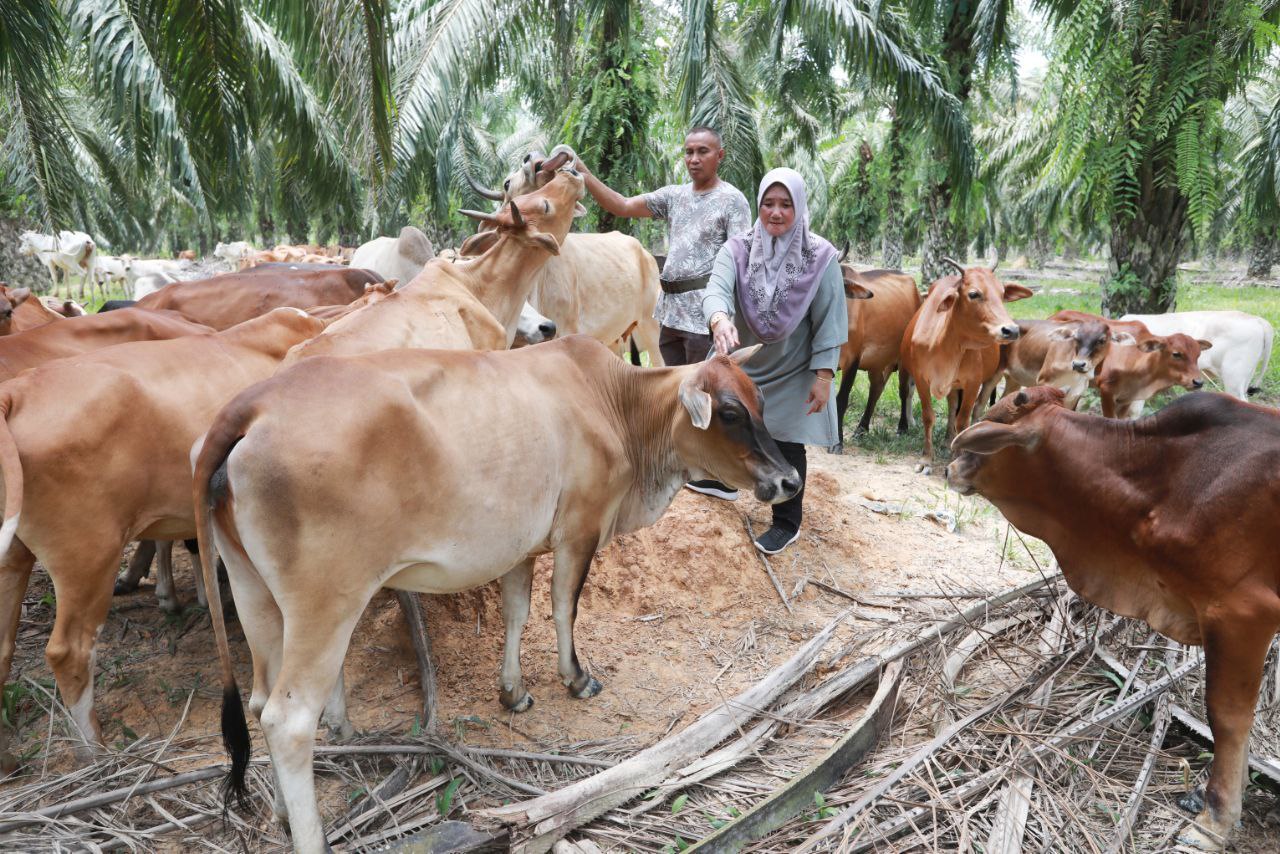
517	218
953	262
483	191
554	162
480	215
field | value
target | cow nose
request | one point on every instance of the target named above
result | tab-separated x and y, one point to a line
1197	383
791	484
1079	366
1010	332
547	328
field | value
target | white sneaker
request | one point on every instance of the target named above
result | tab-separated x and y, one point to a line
714	488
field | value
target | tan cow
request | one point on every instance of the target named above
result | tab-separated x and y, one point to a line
223	301
875	339
602	285
1062	354
75	511
472	304
411	496
12	319
80	335
951	345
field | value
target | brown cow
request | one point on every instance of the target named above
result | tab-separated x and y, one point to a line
1169	519
12	318
223	301
131	414
1062	354
875	339
600	448
951	346
1140	365
93	332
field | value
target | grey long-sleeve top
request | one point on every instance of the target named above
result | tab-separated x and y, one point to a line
784	370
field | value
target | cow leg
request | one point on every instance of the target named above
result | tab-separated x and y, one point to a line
139	566
927	417
315	645
876	383
517	587
197	572
904	401
964	413
166	592
572	564
15	572
646	336
1235	648
987	395
955	401
82	604
848	376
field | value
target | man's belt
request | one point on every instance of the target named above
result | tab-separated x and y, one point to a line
683	286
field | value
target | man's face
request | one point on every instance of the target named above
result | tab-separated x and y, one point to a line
702	155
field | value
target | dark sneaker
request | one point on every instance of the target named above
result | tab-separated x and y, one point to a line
714	488
775	540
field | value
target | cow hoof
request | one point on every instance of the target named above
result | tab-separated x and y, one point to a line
170	606
1194	836
524	704
341	732
123	588
1193	801
590	689
924	468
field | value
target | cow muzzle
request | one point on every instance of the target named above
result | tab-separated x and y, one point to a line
1196	384
1080	366
781	485
1010	332
956	481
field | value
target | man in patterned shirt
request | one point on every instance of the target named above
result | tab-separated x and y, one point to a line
700	217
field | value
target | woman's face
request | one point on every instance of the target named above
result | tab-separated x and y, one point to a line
777	214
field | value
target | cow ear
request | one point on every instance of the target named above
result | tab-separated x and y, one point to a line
696	401
478	244
1123	338
546	241
987	437
1013	293
743	354
578	210
1204	345
1063	333
19	296
1151	345
946	303
852	290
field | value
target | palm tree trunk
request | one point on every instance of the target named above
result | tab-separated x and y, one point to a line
891	236
1262	255
943	237
941	240
1038	251
1146	249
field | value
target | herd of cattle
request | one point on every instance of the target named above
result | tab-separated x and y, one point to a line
348	432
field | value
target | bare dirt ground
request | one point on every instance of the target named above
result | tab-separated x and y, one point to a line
673	620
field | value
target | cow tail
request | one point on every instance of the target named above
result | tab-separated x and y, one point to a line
12	465
1261	373
210	485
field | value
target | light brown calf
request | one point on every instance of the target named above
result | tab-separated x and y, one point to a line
1169	519
875	339
223	301
1062	354
429	485
951	346
95	452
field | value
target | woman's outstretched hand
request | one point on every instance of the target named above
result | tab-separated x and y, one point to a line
725	335
819	393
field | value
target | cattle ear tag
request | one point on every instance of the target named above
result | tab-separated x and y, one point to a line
1204	345
697	402
578	210
743	354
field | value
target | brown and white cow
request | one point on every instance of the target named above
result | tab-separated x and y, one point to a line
79	335
1169	519
1062	354
1140	365
472	304
600	448
95	452
875	339
951	346
223	301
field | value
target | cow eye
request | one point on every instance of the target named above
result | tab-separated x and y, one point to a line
1177	355
975	295
526	157
506	185
730	416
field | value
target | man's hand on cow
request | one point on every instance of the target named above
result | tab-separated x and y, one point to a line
724	333
820	391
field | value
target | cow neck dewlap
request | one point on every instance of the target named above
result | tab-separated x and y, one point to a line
645	401
502	278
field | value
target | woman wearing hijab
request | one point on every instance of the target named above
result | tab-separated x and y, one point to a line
779	284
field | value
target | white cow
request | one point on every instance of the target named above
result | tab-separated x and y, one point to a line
109	270
400	257
1241	344
68	254
232	253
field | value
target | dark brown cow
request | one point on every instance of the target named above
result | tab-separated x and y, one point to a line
93	332
1170	519
95	453
1140	365
223	301
951	346
600	448
875	339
